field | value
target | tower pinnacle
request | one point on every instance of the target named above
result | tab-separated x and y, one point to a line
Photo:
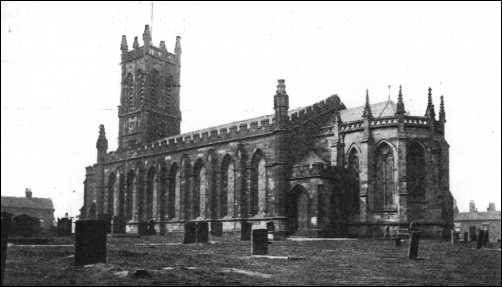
400	104
429	112
367	109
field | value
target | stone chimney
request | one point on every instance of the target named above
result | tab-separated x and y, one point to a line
28	193
491	207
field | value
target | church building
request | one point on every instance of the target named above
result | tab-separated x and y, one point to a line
320	170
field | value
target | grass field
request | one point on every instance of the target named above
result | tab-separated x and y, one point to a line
227	262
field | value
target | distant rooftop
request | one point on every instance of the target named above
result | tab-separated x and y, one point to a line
25	202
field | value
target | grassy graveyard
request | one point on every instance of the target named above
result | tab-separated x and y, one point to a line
226	261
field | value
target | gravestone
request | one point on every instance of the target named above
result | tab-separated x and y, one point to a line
397	241
189	232
90	242
466	237
5	235
118	225
486	238
142	228
151	227
413	249
259	245
202	232
64	226
480	239
108	222
216	228
245	230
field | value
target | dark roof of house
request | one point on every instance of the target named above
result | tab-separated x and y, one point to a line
471	216
24	202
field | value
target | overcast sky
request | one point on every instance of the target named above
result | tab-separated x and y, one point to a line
61	76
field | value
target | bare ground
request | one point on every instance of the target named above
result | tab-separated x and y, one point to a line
226	262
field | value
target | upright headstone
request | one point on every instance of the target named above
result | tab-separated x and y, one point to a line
216	228
189	232
259	245
151	227
5	235
90	242
245	230
486	238
413	249
466	237
480	239
142	228
202	232
117	224
397	241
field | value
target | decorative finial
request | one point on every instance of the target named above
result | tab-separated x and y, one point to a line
442	115
123	44
429	112
135	44
367	109
147	36
102	143
281	87
400	104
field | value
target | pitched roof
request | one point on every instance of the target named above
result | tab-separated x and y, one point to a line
467	216
382	109
24	202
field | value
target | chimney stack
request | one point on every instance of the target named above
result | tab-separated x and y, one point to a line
28	192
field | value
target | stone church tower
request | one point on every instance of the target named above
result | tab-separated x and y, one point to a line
149	103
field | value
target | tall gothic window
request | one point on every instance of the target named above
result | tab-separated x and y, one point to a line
199	190
415	171
227	187
353	167
110	195
385	186
154	87
140	80
129	194
129	86
173	190
149	193
258	185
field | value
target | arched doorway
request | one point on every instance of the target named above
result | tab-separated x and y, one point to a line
298	210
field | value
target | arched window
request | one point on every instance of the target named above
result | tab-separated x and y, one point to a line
227	187
110	195
154	87
129	193
122	195
140	81
149	193
415	169
129	91
385	186
353	168
199	190
162	193
258	196
173	191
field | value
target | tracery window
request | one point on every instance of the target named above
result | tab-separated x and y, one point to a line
353	167
385	186
415	169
